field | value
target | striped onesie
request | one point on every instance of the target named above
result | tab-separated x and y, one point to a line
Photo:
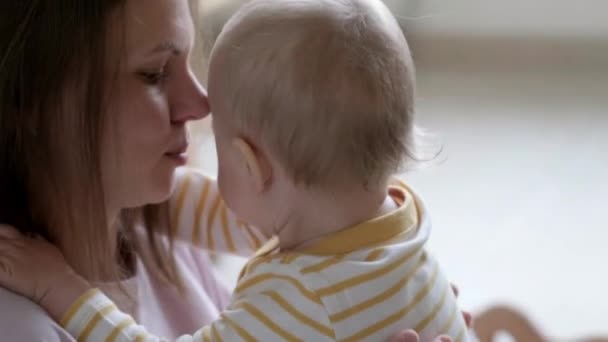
364	283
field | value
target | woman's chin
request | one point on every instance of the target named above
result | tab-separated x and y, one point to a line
157	191
161	193
155	188
150	198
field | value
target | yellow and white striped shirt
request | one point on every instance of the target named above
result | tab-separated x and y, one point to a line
363	283
199	215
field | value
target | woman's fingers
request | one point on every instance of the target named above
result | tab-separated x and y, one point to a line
468	317
412	336
405	336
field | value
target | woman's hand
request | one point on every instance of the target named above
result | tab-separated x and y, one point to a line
412	336
37	270
468	317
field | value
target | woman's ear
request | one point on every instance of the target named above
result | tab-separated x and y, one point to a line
258	167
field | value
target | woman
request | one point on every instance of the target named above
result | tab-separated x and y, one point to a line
94	99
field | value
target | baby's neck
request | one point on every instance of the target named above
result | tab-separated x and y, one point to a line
315	214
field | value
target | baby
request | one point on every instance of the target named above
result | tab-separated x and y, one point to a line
313	108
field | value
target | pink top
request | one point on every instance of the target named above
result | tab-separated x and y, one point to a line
157	305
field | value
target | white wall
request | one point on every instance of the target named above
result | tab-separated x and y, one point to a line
493	17
507	17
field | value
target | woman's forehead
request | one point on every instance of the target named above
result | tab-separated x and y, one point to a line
157	26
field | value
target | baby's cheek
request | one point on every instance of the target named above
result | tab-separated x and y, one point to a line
234	196
226	183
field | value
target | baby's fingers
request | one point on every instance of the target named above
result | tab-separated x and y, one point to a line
8	232
9	253
12	246
6	266
15	266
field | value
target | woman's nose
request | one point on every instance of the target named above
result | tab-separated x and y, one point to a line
190	102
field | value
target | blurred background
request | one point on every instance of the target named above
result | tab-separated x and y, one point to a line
518	92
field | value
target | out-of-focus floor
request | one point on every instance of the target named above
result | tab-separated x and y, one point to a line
520	204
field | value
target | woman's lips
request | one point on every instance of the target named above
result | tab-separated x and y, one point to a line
178	154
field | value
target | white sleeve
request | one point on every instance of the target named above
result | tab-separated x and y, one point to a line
284	313
199	215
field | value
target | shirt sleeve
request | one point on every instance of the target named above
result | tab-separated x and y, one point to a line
284	312
199	215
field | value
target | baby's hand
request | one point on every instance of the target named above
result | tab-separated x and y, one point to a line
37	270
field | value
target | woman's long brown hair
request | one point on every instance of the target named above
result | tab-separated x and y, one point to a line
52	89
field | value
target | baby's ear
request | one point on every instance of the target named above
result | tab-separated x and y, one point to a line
258	167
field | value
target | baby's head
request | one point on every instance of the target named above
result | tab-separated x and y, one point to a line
310	94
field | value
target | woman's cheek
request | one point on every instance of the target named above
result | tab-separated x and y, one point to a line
154	113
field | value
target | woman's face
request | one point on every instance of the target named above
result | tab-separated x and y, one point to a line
152	98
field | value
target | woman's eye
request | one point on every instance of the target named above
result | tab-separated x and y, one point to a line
153	77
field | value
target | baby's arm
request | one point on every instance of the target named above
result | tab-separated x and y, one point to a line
199	215
274	315
269	308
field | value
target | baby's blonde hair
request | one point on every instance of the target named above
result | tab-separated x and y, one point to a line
327	86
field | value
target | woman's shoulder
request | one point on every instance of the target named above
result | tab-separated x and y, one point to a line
23	320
